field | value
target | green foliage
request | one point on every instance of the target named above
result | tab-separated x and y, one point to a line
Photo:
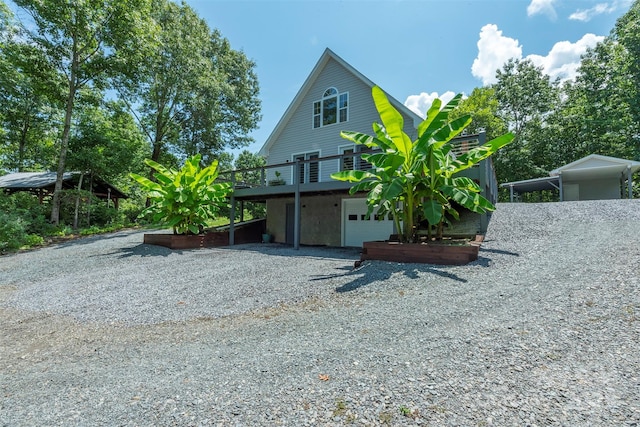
417	178
193	93
22	221
84	44
248	160
483	107
525	96
106	142
184	199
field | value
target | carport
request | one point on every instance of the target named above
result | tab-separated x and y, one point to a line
594	177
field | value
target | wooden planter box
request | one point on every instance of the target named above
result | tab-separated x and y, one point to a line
177	241
425	253
245	233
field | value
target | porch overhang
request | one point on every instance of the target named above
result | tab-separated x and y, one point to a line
530	185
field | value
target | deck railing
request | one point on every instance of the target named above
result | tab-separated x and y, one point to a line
308	170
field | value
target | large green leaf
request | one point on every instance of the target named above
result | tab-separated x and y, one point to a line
358	138
432	210
352	175
431	125
392	121
158	167
146	183
384	160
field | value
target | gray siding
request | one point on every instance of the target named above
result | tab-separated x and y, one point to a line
299	136
600	189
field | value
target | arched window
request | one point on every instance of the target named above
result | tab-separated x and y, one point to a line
332	108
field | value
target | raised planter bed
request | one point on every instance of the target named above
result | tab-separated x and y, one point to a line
443	253
250	232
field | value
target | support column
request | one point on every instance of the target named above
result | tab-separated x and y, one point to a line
297	212
232	212
511	193
630	182
561	186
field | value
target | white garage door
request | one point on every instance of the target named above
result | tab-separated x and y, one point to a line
356	229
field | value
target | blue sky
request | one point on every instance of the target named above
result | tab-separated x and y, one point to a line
415	50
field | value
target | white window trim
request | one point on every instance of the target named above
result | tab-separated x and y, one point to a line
304	153
337	96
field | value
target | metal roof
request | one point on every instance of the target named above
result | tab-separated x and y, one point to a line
535	184
29	180
25	181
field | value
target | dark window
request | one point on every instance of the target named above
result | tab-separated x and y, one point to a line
353	217
346	163
309	171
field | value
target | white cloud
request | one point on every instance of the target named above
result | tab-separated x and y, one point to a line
420	104
564	58
494	50
545	7
585	15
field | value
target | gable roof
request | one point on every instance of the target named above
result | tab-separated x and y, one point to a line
308	84
596	165
26	181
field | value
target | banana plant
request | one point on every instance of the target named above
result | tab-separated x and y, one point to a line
184	199
413	179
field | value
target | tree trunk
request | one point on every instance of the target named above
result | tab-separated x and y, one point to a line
64	145
23	143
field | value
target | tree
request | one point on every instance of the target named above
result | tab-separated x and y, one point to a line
27	115
525	97
248	160
106	142
85	43
193	94
482	105
597	115
627	34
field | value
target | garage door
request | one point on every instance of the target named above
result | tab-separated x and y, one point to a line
357	229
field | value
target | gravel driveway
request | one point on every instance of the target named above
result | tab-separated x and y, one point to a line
544	329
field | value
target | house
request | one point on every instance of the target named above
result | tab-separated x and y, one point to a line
593	177
304	205
42	184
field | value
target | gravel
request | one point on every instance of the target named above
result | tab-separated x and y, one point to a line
542	330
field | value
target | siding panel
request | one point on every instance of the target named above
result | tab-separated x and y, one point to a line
299	136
